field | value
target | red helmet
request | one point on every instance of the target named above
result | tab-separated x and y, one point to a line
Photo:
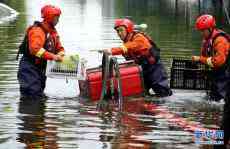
128	24
205	22
48	12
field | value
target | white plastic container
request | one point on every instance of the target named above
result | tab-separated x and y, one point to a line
73	69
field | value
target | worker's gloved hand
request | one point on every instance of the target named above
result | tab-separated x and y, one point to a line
58	58
195	58
107	51
62	54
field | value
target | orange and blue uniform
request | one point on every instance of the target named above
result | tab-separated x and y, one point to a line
215	54
141	48
41	43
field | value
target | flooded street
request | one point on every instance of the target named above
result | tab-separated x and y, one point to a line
64	120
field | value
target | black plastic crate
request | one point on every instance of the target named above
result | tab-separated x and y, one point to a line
186	74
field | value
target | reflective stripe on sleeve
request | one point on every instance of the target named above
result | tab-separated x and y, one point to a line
40	52
125	50
209	62
61	53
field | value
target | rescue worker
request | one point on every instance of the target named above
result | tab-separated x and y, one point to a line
139	47
41	43
214	53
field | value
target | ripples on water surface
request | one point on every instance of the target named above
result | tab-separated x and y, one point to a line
63	121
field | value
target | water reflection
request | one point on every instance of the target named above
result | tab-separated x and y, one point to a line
34	132
143	124
132	126
32	126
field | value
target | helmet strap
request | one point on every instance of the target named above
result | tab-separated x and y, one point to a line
210	32
126	37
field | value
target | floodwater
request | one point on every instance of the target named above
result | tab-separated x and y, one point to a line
64	120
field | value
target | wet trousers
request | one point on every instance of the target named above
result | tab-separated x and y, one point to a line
32	79
225	125
155	77
219	84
